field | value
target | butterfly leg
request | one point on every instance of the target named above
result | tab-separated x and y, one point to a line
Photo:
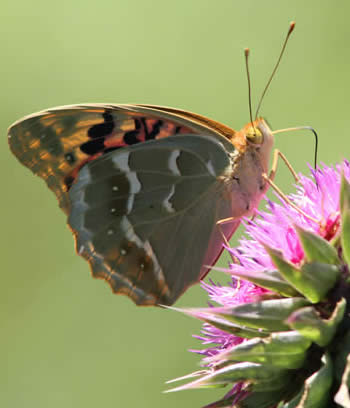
235	260
269	179
276	155
219	225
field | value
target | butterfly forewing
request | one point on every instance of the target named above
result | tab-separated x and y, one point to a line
56	143
144	216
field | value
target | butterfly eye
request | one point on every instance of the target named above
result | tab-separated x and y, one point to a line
254	136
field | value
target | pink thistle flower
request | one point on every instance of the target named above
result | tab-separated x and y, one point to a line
295	242
319	199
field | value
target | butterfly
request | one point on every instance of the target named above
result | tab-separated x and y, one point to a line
151	193
144	188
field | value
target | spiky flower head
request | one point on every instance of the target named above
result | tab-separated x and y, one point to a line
280	336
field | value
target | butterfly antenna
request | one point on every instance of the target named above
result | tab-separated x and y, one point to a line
291	28
246	54
302	128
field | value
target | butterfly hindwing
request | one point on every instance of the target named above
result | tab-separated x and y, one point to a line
144	216
158	249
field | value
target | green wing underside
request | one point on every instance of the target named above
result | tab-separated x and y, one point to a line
145	216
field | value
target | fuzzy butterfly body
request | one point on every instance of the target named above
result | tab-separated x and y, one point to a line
144	188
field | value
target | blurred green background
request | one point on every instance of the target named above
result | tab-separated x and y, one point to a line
66	341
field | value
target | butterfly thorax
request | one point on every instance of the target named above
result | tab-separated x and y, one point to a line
247	185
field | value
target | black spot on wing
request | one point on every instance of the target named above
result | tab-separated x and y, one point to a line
70	158
93	146
137	124
102	129
130	137
155	130
145	128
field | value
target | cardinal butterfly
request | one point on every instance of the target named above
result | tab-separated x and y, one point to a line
144	188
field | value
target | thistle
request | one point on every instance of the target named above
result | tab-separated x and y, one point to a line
280	337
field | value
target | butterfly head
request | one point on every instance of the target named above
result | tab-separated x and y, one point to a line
255	137
257	132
